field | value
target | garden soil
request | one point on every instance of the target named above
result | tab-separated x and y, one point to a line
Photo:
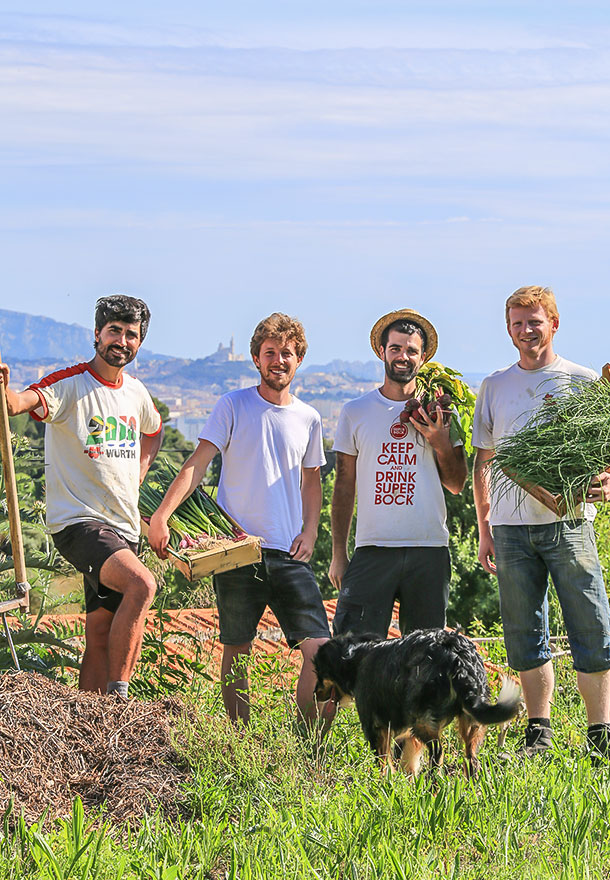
57	743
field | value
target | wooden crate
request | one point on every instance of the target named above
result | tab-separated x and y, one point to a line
224	556
228	555
555	503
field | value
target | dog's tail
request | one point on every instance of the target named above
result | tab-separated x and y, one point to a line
504	709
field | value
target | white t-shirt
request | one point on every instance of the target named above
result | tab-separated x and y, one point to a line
263	448
92	447
506	400
400	495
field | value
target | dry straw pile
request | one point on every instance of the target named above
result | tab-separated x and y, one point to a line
56	743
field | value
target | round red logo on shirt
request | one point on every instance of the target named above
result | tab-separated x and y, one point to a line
398	430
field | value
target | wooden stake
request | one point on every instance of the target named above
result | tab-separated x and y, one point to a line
12	501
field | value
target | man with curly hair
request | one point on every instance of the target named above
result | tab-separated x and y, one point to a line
271	446
102	434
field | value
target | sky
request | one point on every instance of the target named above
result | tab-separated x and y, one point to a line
333	160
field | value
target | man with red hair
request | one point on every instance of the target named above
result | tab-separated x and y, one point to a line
522	541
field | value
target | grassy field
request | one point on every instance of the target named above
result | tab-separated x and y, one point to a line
268	803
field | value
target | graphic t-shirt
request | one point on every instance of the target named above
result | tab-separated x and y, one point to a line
506	400
92	447
400	496
263	448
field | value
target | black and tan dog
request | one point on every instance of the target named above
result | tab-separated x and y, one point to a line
409	689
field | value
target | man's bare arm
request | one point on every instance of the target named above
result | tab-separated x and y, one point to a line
149	449
187	480
344	495
480	485
450	459
311	497
17	402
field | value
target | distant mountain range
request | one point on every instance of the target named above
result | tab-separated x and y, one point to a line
26	337
37	339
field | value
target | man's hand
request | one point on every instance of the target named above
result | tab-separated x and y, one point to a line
436	432
5	374
301	548
158	535
599	490
487	551
338	567
17	402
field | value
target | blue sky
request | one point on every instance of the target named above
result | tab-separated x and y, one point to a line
332	160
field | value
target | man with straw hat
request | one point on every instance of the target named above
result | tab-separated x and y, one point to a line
398	470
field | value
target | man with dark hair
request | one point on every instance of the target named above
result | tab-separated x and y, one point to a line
398	470
271	445
103	433
522	541
124	308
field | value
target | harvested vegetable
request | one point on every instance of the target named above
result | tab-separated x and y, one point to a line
562	447
437	385
195	523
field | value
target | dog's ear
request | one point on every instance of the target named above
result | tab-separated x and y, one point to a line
354	640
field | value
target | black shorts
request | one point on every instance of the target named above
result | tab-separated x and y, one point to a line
418	577
87	545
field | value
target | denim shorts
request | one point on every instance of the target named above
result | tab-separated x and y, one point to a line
525	556
376	576
286	585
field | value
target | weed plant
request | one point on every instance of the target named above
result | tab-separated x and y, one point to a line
268	802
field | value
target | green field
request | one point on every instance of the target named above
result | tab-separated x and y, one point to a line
269	803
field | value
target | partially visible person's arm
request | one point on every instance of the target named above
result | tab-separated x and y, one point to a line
187	480
344	495
17	402
311	497
149	449
480	485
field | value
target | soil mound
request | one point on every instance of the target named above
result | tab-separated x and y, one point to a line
57	743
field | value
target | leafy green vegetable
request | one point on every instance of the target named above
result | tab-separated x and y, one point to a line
564	444
435	379
198	517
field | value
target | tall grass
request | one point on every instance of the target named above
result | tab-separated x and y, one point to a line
268	803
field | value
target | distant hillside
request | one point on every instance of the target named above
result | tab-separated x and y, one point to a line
206	371
26	337
368	370
34	338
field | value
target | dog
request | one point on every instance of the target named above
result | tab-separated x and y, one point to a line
408	690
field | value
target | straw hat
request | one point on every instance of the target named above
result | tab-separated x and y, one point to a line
405	315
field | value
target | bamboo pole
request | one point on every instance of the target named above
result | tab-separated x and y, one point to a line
12	500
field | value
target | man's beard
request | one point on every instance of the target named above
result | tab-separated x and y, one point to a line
115	355
400	376
277	383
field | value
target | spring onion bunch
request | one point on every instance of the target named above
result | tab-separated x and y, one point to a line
563	445
194	522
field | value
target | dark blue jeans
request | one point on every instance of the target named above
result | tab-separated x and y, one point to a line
287	586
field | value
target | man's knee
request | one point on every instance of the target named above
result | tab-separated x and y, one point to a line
233	654
144	588
139	587
310	647
97	629
124	573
